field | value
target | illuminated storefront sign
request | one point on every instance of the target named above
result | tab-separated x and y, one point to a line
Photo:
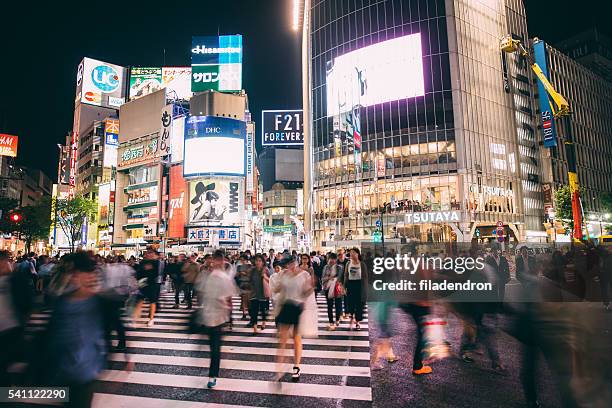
432	217
142	195
8	145
282	127
224	235
140	153
278	228
491	191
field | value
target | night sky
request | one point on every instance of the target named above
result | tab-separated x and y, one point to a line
43	44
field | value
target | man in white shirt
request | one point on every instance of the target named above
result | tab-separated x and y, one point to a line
215	289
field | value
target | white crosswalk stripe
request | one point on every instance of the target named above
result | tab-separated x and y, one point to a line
171	365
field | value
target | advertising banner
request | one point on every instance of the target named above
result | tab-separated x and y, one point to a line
177	139
216	63
140	153
99	81
177	80
111	142
382	72
177	214
64	166
103	204
144	81
222	235
74	152
164	128
282	127
250	154
8	145
216	202
142	195
214	146
547	120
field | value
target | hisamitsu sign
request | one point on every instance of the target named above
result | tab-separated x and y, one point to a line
282	127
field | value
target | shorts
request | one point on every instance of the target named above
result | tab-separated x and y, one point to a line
289	314
150	293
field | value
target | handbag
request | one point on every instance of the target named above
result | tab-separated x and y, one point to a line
339	290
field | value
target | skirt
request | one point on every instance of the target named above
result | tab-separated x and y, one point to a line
289	314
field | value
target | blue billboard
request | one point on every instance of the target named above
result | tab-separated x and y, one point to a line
547	120
216	63
214	146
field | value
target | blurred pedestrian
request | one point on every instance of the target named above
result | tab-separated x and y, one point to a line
216	290
295	287
333	288
148	276
190	271
259	294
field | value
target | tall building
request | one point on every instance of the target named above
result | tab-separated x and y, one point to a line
591	49
590	99
417	124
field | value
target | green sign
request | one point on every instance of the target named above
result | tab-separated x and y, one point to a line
377	236
144	81
278	228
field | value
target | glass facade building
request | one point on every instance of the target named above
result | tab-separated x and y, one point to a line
413	110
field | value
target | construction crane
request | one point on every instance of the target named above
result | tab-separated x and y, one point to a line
560	109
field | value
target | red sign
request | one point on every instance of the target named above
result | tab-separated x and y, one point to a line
8	145
178	203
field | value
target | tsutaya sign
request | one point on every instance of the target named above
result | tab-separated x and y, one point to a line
433	217
491	191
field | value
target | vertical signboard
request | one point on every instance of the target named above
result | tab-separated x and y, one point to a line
74	152
111	142
165	128
250	132
546	116
177	212
216	63
64	166
177	139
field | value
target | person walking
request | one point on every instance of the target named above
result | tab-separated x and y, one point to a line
243	280
355	282
190	271
215	292
259	282
11	323
148	277
333	288
294	288
343	262
501	272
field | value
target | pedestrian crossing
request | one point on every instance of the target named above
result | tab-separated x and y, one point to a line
170	365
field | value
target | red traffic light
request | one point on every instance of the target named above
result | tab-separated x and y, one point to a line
15	217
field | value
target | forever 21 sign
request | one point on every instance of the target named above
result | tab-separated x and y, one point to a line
282	127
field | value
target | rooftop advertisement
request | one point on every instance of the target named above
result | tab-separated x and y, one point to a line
101	84
216	63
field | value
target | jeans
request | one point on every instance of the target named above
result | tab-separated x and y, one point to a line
353	299
214	335
257	306
484	334
331	304
418	313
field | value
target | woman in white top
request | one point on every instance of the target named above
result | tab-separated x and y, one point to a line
294	288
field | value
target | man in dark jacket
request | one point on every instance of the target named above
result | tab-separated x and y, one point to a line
501	268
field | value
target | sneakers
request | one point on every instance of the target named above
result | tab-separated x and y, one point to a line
212	383
466	358
331	327
295	376
151	322
357	326
423	370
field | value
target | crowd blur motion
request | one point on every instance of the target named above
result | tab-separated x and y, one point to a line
94	299
553	301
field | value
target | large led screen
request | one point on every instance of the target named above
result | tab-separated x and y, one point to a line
214	146
383	72
100	83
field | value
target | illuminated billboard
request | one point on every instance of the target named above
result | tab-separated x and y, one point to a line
178	203
382	72
111	142
177	139
216	202
8	145
216	63
547	120
145	81
100	83
282	127
214	146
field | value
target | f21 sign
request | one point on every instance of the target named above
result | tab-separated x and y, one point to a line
282	127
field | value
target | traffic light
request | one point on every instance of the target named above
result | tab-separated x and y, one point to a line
477	232
15	217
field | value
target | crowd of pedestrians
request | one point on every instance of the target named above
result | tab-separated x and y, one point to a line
91	297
